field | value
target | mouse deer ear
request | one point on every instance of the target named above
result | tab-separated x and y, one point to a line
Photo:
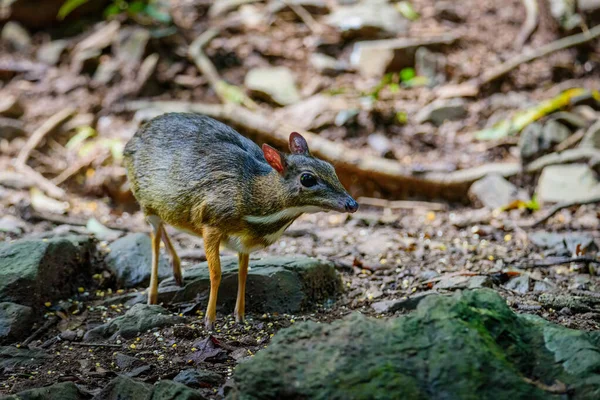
298	144
274	158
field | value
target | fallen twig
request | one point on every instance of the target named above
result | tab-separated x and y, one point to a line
66	220
38	135
41	330
567	156
552	261
402	204
530	23
305	16
224	90
38	179
383	173
571	141
75	168
472	87
82	344
557	208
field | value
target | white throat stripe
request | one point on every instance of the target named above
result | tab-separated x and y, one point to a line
291	212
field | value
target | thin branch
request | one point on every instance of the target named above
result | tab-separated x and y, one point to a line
46	128
305	16
530	24
552	261
44	184
402	204
41	330
558	207
567	156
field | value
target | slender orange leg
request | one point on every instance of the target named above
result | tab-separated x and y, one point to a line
212	241
175	261
157	228
240	304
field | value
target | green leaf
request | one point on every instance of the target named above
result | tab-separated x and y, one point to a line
83	133
112	10
407	10
157	14
523	118
402	117
407	74
68	7
417	81
136	7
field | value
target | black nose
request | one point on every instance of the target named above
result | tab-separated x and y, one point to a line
351	205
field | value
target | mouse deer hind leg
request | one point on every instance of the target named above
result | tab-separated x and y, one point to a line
240	304
212	241
155	235
175	261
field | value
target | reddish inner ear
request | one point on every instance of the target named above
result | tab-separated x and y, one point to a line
273	157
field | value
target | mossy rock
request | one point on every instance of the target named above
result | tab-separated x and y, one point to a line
274	284
34	271
466	346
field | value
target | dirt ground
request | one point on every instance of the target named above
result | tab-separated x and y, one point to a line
380	253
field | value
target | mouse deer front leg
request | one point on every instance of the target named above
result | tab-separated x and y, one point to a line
212	241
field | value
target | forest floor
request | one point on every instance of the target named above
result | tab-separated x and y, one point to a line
384	252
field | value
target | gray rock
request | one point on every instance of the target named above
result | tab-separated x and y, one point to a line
11	107
327	65
455	282
553	133
59	391
541	286
12	357
140	318
367	20
592	136
381	144
198	378
276	84
405	304
274	284
570	182
16	36
466	346
124	388
563	244
130	260
33	272
14	225
529	141
441	110
493	191
15	322
430	65
571	119
520	284
50	53
11	128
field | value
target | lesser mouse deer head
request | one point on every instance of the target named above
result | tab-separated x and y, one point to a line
308	181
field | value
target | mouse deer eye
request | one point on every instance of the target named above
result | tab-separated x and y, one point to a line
308	179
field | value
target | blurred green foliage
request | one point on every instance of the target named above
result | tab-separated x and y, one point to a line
151	9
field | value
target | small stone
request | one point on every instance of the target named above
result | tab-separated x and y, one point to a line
12	357
15	322
570	182
570	119
198	378
519	284
592	136
130	45
455	282
11	107
408	304
50	53
430	65
130	259
140	318
441	110
563	244
381	144
553	133
14	225
541	286
327	65
368	20
276	84
493	191
16	36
